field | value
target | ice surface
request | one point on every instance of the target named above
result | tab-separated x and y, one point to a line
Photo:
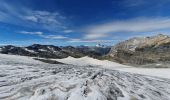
22	78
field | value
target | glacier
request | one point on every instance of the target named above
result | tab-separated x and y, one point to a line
23	78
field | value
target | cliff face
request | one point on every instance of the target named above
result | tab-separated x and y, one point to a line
142	50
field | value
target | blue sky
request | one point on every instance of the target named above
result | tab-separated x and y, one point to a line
81	22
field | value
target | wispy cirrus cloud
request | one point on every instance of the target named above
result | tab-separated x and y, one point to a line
31	18
44	18
90	41
9	13
37	19
31	33
68	31
51	21
95	36
42	34
136	25
54	36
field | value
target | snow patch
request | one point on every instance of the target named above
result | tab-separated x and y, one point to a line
85	61
31	51
42	50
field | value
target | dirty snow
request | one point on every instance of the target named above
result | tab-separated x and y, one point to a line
22	78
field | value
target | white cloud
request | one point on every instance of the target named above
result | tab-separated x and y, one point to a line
90	41
54	37
44	13
134	25
31	18
9	13
68	31
41	34
74	40
31	33
44	18
26	17
95	36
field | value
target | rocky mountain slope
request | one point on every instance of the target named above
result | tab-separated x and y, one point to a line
22	78
51	51
142	50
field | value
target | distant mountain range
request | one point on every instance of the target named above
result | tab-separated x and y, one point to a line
137	51
51	51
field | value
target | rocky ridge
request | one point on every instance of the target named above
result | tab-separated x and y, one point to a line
142	50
